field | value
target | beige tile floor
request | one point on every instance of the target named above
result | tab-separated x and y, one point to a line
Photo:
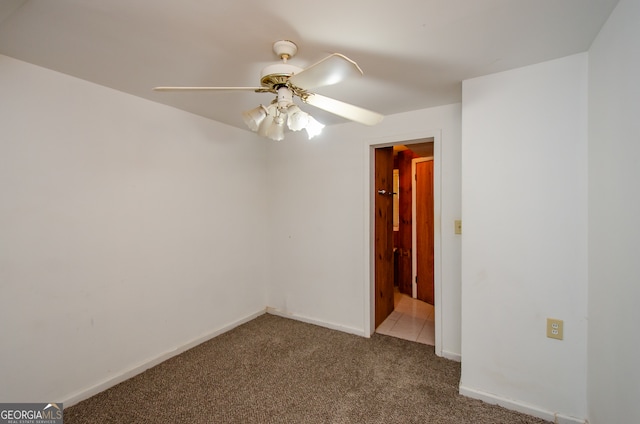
412	319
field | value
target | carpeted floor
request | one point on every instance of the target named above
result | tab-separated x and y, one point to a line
277	370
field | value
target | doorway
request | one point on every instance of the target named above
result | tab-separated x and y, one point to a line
412	242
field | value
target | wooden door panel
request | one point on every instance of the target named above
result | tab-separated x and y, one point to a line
425	231
405	228
383	233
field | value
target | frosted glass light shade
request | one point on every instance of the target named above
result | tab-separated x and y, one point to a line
298	119
276	130
254	117
313	127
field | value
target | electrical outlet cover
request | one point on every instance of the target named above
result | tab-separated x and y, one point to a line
555	328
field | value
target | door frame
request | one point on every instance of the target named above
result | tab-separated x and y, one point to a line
369	224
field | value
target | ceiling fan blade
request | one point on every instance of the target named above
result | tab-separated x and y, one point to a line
207	88
330	70
345	110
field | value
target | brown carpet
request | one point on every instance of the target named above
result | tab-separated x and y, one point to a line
277	370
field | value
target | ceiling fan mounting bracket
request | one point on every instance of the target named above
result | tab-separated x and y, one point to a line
285	49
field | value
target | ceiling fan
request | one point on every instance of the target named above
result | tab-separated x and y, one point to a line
286	81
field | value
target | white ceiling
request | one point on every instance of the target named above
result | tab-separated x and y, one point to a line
414	53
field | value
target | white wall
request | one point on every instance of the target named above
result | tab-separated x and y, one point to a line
319	255
524	245
127	230
614	207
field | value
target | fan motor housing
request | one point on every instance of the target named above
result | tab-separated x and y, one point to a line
277	74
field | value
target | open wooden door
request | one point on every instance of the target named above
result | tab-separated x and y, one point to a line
405	233
383	250
424	231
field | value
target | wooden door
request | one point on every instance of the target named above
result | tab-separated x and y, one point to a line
424	231
383	233
404	246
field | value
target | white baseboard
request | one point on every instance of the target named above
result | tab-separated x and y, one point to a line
308	320
453	356
131	372
514	405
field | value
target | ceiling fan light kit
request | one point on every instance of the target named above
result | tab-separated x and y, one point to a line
286	81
